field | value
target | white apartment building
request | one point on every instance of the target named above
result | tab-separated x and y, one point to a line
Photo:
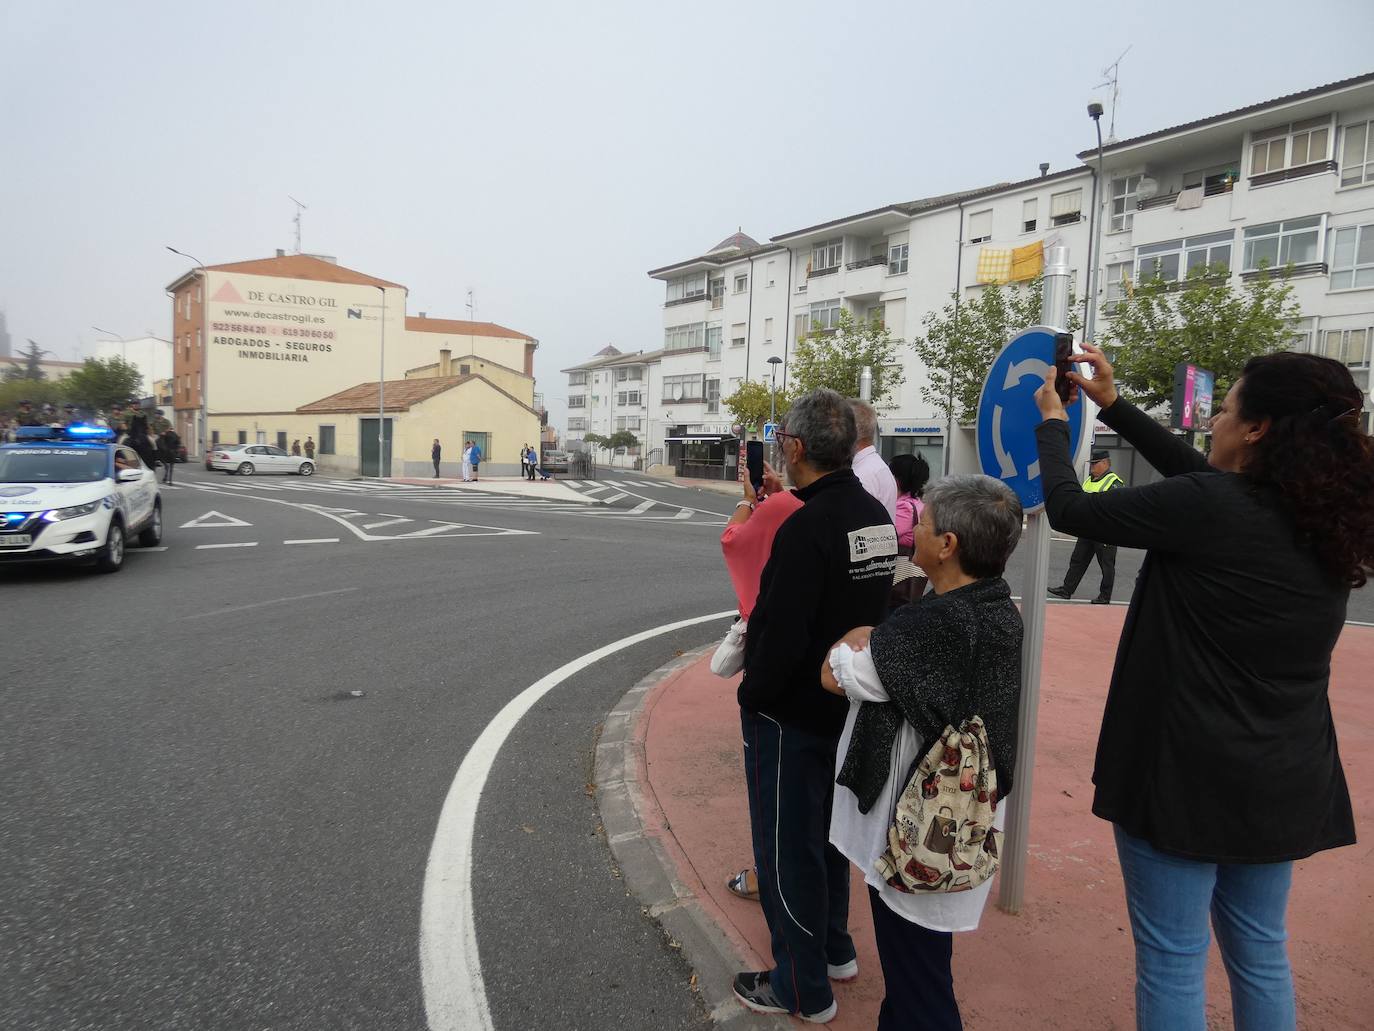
1285	182
609	393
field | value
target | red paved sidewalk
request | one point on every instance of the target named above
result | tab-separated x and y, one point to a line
1066	961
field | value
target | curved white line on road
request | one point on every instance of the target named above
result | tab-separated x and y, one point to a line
450	967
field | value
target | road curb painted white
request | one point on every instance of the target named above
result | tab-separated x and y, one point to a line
450	966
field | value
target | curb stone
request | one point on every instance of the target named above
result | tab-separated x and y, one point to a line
647	869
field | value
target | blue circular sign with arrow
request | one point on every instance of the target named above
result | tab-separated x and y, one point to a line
1008	416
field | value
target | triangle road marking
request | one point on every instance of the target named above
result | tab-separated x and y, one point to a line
213	518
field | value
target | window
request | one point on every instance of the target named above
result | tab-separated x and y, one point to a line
737	334
1028	215
712	396
632	373
1118	282
1352	257
197	339
243	436
1278	243
741	282
737	341
576	424
281	440
768	330
627	422
688	287
627	397
684	338
1346	345
769	273
876	313
1303	335
577	379
717	291
980	226
1357	154
1066	208
214	438
1172	260
827	256
1289	146
683	388
897	257
825	314
1123	202
464	370
713	343
577	400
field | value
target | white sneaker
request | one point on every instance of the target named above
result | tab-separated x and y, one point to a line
843	972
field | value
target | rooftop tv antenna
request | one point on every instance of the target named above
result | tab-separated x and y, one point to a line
472	307
299	208
1110	76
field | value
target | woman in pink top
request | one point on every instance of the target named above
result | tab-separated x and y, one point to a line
748	537
911	473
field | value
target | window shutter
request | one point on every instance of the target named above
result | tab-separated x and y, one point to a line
980	225
1068	203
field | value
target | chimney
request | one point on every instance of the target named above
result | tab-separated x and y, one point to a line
281	253
1044	169
445	361
424	314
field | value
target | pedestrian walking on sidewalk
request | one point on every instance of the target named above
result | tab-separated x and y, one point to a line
1100	478
475	458
830	567
1217	762
467	460
434	455
940	664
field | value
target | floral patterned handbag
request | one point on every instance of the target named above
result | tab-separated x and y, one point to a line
942	838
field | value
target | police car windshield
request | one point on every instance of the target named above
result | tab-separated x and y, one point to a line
53	464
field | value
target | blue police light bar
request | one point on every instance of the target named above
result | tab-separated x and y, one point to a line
94	434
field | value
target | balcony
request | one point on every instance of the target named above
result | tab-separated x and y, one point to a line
877	259
816	273
1211	189
1296	172
684	300
1308	268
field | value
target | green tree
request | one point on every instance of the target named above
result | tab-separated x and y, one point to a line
99	382
1204	321
12	391
32	369
833	358
962	339
752	403
618	439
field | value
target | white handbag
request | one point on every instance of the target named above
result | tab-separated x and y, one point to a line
729	657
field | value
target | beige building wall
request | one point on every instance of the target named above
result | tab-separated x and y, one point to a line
514	383
472	407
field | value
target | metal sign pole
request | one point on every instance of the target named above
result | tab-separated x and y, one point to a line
1054	313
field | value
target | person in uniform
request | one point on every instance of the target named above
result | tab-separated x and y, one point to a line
1100	478
70	417
26	416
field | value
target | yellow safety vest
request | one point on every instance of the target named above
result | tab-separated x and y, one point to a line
1091	486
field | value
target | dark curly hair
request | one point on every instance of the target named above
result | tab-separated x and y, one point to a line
912	473
1315	455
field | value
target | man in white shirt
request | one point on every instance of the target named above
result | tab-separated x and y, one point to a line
869	466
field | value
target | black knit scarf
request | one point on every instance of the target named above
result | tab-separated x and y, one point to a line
942	660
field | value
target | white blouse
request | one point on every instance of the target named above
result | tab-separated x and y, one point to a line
862	837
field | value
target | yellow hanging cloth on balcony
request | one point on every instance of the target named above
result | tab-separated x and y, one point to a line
1027	262
994	265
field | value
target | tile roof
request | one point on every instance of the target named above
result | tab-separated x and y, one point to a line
740	241
1289	98
457	360
401	395
302	266
460	327
633	358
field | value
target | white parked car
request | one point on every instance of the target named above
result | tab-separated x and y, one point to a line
71	494
249	459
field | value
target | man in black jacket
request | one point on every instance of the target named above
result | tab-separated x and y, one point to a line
830	569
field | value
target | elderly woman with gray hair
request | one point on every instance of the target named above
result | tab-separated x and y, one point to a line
947	668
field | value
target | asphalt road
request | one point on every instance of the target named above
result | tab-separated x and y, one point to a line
223	767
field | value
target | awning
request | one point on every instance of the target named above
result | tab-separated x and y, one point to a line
701	438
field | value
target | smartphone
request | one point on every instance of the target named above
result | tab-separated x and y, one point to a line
753	459
1063	349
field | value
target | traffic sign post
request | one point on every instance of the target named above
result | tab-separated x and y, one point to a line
1007	449
770	432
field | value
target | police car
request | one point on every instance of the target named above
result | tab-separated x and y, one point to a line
74	494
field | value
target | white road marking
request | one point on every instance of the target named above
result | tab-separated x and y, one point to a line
617	483
386	522
643	506
273	601
595	490
138	550
314	540
450	966
241	544
614	497
435	529
213	518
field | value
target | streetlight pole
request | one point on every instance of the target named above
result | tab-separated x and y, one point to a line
381	393
773	364
204	349
123	344
1094	232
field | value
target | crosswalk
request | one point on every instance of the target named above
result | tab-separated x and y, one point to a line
611	499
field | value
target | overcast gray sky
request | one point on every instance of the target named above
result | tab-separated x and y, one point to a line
547	154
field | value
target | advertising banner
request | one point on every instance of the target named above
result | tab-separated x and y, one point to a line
1192	408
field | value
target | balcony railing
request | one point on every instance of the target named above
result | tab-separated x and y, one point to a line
1166	199
877	259
684	300
816	273
1297	172
1309	268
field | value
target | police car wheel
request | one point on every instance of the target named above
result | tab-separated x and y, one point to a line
151	535
307	469
245	469
111	556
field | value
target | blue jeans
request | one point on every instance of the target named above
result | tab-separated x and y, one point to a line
1169	900
803	879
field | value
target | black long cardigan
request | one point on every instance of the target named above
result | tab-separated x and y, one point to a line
1217	742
